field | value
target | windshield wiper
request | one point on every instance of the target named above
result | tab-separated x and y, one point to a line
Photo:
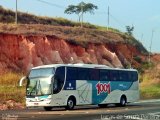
40	88
33	88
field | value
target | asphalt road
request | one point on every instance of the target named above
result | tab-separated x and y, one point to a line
143	110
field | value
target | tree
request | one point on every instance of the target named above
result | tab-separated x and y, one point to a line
129	30
80	9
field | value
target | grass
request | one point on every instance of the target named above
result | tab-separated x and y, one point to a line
150	92
9	89
150	82
12	93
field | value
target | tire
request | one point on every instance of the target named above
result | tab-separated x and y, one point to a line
123	101
70	104
48	108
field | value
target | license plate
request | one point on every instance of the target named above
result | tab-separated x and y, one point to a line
35	103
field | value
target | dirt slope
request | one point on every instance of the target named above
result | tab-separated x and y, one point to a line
25	46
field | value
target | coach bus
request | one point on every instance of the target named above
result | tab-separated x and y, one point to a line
80	84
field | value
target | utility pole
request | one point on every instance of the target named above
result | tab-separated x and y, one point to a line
141	37
16	14
108	18
149	59
82	15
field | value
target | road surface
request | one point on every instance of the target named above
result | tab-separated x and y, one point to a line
143	110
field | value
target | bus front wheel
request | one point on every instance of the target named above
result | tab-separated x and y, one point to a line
70	103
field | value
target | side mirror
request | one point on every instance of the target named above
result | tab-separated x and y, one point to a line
21	80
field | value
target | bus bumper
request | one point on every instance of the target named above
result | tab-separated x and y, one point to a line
38	103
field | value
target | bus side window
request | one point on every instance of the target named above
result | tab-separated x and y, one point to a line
114	75
134	76
71	73
83	73
129	76
94	74
123	76
104	75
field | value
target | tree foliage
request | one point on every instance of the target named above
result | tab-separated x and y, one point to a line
129	30
80	9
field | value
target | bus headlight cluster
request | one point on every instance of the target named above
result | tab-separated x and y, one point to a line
28	100
47	99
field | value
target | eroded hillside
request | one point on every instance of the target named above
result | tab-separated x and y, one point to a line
25	46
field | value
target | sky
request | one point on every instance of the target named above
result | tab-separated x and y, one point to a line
144	15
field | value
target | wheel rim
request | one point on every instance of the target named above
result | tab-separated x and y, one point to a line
70	104
123	101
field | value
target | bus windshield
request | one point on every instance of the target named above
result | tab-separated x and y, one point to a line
41	72
38	87
39	81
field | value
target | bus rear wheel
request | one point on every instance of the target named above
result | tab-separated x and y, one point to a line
123	101
70	104
48	108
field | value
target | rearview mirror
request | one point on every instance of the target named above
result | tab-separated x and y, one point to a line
21	80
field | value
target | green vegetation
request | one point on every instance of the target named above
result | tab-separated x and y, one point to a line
149	81
150	92
129	30
144	65
9	89
149	77
80	9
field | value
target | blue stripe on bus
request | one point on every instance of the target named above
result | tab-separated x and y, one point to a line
98	98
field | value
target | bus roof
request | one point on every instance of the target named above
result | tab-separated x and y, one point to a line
81	65
72	65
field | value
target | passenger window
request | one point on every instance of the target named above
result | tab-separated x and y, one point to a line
94	74
104	75
71	73
133	76
114	75
123	76
83	74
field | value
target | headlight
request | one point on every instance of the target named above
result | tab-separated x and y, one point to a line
47	99
28	100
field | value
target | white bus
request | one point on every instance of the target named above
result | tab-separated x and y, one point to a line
80	84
